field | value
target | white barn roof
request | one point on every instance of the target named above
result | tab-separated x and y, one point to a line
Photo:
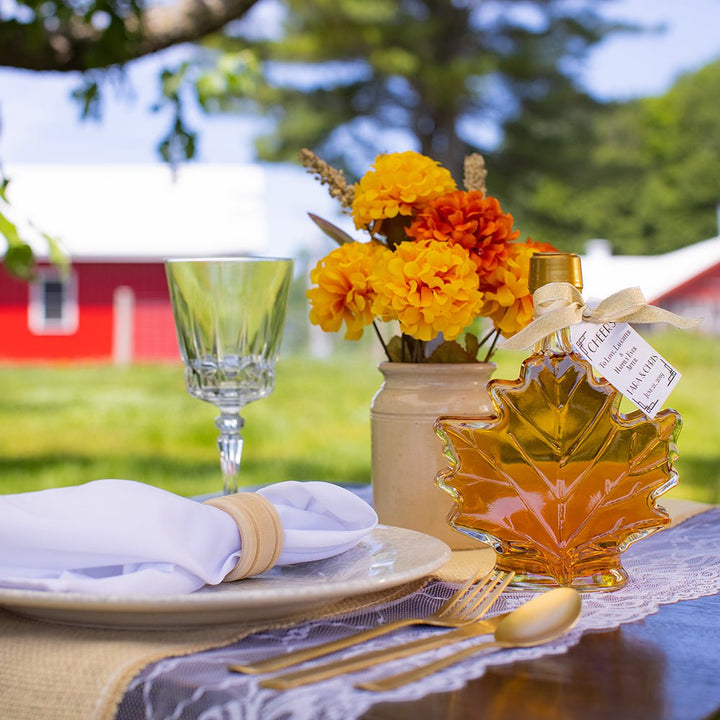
143	211
655	275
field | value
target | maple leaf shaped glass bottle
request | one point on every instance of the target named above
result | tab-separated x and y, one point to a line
558	481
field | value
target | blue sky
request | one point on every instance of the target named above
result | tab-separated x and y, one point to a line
40	122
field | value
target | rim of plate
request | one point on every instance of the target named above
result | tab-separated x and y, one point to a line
430	556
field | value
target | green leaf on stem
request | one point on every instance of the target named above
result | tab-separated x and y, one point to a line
20	261
394	349
472	344
332	231
451	352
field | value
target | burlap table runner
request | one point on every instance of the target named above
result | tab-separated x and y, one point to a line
56	672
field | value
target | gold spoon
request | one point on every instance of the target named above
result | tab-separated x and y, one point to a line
542	619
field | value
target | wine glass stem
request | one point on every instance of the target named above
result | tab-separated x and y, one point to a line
230	444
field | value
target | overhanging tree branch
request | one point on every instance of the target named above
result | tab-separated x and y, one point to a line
78	45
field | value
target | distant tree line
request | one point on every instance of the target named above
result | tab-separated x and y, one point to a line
643	174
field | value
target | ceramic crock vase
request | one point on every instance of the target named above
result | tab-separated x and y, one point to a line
406	452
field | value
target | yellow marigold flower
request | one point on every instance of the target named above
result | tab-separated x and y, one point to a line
343	292
429	288
507	298
398	184
470	219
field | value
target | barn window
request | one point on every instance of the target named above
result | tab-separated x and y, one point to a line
53	303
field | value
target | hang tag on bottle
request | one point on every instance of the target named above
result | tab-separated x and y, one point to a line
627	362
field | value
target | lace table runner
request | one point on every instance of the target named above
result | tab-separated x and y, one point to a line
681	563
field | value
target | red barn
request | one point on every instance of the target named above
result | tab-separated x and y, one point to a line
118	223
698	296
104	310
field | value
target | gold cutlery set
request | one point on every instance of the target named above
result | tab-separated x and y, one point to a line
542	619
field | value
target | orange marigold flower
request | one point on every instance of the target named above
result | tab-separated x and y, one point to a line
507	298
398	184
343	292
471	219
429	288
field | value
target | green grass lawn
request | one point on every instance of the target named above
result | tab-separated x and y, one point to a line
70	424
65	425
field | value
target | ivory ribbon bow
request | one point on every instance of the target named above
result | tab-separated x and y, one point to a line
559	305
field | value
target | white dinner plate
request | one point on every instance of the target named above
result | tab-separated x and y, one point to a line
386	558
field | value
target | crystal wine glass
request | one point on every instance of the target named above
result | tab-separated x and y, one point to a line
229	316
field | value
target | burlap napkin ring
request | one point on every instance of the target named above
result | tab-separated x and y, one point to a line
261	532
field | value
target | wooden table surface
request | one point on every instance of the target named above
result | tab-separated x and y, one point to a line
664	667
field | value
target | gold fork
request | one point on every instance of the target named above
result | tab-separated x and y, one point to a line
466	605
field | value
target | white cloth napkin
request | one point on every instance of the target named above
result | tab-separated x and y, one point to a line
124	537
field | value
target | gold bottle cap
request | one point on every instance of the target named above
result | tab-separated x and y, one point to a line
547	267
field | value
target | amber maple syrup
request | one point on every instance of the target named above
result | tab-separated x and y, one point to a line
558	480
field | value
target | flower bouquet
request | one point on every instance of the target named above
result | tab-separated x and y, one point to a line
437	260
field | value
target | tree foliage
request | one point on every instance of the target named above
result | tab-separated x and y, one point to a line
95	34
644	174
350	78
